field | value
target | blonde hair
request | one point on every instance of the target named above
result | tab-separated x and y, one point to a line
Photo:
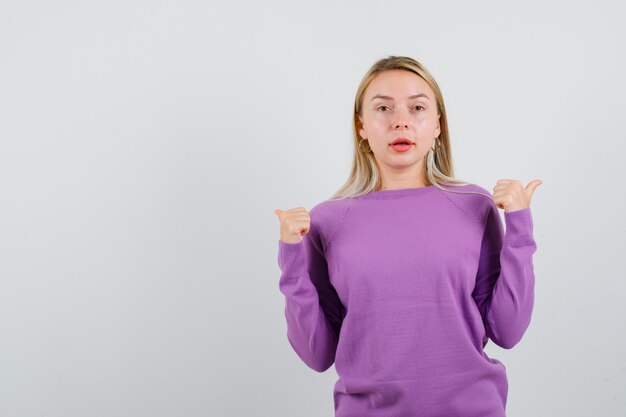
364	175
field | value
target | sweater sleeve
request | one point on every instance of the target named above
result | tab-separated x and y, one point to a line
504	291
312	306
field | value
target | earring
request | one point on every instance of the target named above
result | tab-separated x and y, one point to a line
369	150
437	144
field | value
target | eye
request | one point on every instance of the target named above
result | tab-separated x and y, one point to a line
380	107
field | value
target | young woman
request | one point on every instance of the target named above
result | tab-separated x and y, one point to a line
402	276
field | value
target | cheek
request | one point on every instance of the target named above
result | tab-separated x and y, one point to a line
426	129
423	143
425	122
378	130
378	123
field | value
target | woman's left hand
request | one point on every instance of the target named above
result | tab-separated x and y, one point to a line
511	195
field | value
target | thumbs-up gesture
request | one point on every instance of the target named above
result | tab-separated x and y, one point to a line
511	195
294	224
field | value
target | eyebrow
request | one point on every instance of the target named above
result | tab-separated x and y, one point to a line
391	98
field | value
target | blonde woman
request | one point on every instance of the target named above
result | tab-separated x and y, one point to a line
404	274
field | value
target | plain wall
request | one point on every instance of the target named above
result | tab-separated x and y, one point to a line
144	146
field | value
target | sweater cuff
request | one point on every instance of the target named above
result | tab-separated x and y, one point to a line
519	227
291	258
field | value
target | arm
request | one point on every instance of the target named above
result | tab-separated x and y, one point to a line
505	281
312	306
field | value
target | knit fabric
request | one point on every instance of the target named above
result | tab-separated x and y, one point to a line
401	290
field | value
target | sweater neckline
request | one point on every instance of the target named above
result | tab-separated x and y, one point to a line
400	192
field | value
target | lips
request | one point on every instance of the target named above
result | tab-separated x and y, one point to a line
403	141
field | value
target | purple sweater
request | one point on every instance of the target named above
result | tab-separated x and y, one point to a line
401	290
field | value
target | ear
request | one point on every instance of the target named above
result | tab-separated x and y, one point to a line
438	128
360	128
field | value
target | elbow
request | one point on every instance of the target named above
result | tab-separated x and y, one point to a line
506	343
507	327
320	366
318	360
507	339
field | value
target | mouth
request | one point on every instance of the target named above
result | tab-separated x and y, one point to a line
401	141
402	145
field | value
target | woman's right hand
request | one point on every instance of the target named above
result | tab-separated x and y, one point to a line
294	224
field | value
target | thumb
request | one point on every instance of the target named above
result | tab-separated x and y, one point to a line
278	212
532	186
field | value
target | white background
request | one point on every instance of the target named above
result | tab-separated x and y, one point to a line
145	144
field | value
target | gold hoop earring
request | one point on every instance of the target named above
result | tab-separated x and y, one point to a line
437	144
369	150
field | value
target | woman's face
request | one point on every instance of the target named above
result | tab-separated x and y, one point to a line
398	104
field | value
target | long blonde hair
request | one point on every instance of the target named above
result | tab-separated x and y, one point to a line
365	176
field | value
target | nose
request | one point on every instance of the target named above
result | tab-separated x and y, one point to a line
400	124
401	121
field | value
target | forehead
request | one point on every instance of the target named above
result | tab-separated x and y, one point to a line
398	84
